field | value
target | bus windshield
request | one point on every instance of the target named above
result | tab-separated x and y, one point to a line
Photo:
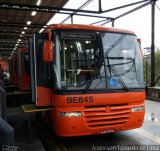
123	60
97	61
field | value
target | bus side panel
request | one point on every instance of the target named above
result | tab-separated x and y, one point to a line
15	71
43	96
15	81
10	63
25	83
24	76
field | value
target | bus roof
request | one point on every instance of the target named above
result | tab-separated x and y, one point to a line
87	27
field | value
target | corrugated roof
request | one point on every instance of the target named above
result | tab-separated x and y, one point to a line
12	22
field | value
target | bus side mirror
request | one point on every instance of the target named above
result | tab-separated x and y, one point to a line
48	51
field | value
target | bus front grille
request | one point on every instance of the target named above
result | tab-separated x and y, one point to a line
106	116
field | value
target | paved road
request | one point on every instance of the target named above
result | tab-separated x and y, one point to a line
148	135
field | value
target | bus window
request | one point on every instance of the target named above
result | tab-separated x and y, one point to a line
43	70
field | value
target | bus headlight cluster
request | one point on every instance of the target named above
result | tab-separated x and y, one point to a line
70	114
138	109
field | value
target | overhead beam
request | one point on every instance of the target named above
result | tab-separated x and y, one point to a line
75	12
46	9
12	32
100	21
14	37
11	43
11	46
60	9
9	24
4	48
68	11
133	10
128	12
124	6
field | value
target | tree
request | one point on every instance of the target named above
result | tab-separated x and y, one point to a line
147	68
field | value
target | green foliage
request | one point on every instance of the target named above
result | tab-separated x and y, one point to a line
147	68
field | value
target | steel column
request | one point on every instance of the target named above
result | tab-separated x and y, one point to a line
71	19
100	6
113	22
153	78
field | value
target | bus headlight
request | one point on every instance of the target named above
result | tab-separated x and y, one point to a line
70	114
138	109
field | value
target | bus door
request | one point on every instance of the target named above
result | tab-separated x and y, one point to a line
40	71
15	70
24	69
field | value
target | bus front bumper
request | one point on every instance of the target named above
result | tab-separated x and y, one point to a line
78	121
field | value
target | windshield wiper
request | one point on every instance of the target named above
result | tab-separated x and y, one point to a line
130	60
88	85
119	77
95	74
111	67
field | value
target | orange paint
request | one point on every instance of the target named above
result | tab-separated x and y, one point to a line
73	126
15	70
100	112
4	65
24	83
86	27
109	112
100	99
43	96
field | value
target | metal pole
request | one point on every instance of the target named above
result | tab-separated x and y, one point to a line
100	6
146	71
113	23
71	19
153	43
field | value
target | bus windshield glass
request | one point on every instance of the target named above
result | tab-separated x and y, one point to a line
97	61
123	60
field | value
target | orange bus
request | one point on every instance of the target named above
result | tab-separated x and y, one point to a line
13	69
23	69
91	76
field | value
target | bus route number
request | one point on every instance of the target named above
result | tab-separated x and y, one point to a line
86	99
